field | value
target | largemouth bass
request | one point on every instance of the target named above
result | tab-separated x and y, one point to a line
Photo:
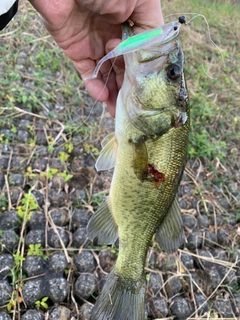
148	150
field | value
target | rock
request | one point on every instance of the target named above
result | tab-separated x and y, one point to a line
194	240
9	240
58	289
60	313
187	260
155	283
40	164
5	292
33	265
107	260
210	239
180	308
6	264
9	220
85	311
157	308
85	261
32	315
4	316
236	304
166	262
173	285
59	216
33	291
85	285
58	262
17	179
201	302
79	237
54	238
203	221
38	197
81	217
222	237
189	221
23	136
35	236
223	308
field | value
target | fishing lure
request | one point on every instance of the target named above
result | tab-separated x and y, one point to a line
160	35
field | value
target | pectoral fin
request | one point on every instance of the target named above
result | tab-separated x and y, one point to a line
108	154
140	160
102	226
169	234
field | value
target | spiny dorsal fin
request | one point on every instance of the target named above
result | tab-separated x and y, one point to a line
107	157
169	234
102	226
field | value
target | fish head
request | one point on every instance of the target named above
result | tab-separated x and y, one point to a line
158	86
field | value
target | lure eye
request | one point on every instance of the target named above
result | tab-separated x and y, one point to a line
173	72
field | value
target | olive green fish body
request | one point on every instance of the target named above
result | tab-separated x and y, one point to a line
148	152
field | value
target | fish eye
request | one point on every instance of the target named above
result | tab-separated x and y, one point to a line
173	72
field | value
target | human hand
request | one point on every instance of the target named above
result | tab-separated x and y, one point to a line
88	29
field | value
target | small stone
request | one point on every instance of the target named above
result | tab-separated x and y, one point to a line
187	260
3	163
58	262
81	217
15	194
33	265
107	260
17	179
194	240
85	285
9	240
155	283
6	264
85	261
54	238
223	307
9	220
41	138
210	239
59	216
166	262
222	237
193	281
32	291
2	181
218	218
32	315
180	308
236	304
38	197
79	237
85	311
23	136
158	307
201	302
58	289
60	313
57	199
189	221
40	164
37	220
173	286
5	292
215	277
203	221
4	316
35	237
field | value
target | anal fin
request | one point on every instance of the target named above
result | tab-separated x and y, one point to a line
169	234
102	226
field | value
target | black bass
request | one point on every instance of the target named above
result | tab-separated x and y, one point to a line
148	152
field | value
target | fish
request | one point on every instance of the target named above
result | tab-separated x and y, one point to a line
148	152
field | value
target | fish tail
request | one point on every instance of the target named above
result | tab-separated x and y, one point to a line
120	299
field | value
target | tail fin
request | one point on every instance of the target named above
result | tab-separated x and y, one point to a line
120	299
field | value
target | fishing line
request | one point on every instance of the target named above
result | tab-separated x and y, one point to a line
208	31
